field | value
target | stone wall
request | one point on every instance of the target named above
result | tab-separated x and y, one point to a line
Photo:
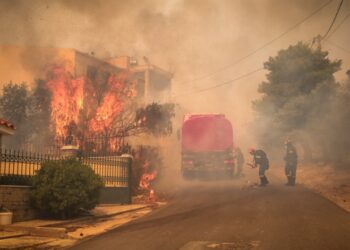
16	199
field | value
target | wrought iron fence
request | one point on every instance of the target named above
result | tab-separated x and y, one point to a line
115	171
18	167
100	144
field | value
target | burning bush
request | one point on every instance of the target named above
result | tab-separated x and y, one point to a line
62	189
147	167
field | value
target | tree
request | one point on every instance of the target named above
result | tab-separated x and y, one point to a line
297	95
13	107
339	135
156	118
29	111
39	113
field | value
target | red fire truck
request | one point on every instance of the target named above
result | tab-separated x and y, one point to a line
207	146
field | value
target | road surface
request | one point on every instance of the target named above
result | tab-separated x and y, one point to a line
234	215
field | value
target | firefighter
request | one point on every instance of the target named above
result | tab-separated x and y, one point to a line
240	162
291	159
260	160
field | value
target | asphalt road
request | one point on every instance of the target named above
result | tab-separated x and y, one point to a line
233	215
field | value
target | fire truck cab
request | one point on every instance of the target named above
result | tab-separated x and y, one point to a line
207	146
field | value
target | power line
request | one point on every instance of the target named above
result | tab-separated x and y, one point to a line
337	46
335	17
222	84
263	46
339	25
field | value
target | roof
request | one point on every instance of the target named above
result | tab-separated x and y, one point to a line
7	124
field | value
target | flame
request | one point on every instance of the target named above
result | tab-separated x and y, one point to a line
152	196
146	180
112	103
74	100
66	98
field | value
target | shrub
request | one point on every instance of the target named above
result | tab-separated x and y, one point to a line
62	189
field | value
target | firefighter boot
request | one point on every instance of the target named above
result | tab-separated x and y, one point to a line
289	181
266	180
262	182
292	181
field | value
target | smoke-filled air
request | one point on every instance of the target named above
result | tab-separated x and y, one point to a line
205	106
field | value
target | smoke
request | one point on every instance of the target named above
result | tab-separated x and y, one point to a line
190	38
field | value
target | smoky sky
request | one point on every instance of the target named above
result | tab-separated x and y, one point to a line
190	38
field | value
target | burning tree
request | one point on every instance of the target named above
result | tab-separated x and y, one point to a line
94	114
84	111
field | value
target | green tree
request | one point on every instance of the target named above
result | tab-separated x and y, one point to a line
297	96
13	107
39	113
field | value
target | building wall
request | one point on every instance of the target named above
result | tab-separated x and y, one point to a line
153	83
85	62
120	61
16	199
159	87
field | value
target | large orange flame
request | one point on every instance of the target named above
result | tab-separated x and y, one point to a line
74	101
112	104
66	98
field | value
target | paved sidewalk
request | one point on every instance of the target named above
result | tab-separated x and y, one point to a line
56	234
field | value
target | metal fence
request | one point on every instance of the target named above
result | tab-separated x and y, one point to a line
18	167
115	171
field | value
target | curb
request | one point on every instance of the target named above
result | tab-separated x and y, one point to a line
27	247
57	230
93	217
15	235
37	231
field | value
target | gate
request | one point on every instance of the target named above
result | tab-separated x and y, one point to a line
115	172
